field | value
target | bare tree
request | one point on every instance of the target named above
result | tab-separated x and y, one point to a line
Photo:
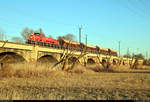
50	36
83	53
139	56
106	64
134	61
65	57
127	55
26	33
17	39
40	31
146	62
68	36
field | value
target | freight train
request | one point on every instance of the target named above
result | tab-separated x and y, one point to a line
63	43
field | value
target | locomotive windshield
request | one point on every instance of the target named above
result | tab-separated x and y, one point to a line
37	34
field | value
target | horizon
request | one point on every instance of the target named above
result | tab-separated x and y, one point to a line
105	22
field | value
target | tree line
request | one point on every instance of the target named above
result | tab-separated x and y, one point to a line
137	56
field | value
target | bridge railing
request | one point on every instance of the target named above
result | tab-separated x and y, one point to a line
71	48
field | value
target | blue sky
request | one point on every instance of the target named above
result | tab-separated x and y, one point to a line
104	21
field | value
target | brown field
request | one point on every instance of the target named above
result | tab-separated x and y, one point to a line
24	82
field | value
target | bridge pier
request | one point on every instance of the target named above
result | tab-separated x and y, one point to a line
33	56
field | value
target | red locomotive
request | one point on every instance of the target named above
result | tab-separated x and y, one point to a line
40	38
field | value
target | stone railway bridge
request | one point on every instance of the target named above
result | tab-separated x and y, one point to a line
33	53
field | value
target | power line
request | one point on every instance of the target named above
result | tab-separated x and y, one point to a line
133	6
137	7
131	10
145	4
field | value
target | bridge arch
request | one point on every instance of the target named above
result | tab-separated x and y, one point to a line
11	57
124	62
90	61
47	60
54	55
104	60
114	62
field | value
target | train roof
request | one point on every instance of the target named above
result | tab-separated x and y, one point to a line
102	48
92	46
72	42
106	49
113	50
75	42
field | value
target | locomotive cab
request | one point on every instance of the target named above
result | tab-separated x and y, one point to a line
38	34
36	37
40	38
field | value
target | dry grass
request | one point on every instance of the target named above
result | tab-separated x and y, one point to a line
24	82
25	70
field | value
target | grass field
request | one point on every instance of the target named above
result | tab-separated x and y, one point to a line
45	84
